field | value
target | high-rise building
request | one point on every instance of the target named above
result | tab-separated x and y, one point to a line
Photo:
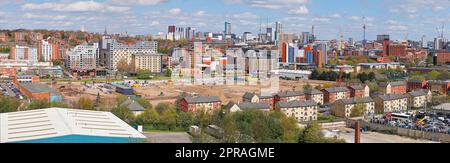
381	38
117	52
270	34
24	53
227	28
45	51
171	29
278	31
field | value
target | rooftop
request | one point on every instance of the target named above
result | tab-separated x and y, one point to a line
313	92
247	105
389	97
397	83
133	105
357	87
291	93
58	122
201	99
296	104
417	93
357	100
336	89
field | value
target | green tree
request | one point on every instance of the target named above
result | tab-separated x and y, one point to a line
39	104
307	86
371	76
358	110
315	74
162	106
168	72
186	119
143	102
313	134
433	75
123	113
149	117
85	103
363	77
8	104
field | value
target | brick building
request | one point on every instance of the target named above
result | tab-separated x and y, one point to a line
441	87
259	98
393	87
415	84
287	96
442	56
359	91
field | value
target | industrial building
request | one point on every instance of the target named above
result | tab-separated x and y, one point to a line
37	91
57	125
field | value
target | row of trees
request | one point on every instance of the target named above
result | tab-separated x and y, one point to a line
433	75
332	76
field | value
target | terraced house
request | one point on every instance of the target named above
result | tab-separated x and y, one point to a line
331	95
343	108
287	96
194	103
391	103
418	99
315	95
393	87
302	111
233	107
359	91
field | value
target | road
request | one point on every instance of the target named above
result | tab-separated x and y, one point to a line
168	137
373	137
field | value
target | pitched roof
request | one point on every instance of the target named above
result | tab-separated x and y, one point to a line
418	93
248	105
201	99
415	81
291	93
133	105
249	95
397	83
357	87
389	97
296	104
357	100
337	89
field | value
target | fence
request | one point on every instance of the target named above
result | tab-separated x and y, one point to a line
417	134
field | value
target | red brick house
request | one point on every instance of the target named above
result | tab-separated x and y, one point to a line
415	84
333	94
288	96
359	91
194	103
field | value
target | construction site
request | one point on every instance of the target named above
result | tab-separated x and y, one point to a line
160	92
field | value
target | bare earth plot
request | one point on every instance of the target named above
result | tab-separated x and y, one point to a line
168	137
374	137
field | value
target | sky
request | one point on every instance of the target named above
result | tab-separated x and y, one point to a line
402	19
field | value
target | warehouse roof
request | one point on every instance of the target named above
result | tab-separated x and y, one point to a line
58	122
296	104
38	88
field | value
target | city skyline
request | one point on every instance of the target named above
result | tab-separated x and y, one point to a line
401	19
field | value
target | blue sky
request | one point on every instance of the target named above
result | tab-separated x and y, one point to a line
399	18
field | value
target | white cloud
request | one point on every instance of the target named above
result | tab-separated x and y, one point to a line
52	17
80	6
245	15
155	23
299	10
276	4
336	15
175	11
398	28
138	2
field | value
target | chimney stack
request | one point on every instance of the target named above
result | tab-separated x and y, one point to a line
357	133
